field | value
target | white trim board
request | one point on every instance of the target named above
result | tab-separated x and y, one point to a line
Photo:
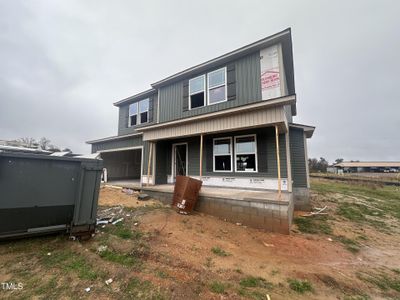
144	180
120	149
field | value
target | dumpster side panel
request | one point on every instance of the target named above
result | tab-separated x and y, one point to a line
28	182
86	205
38	193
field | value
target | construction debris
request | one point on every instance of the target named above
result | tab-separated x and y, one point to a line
319	211
143	197
117	221
128	191
101	248
109	281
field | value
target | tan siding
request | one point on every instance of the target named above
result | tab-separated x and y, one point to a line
236	121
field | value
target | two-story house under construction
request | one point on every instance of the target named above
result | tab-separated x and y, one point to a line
228	122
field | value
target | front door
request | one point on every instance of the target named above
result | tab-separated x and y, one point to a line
179	166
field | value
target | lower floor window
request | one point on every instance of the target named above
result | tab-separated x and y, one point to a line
246	153
246	163
222	150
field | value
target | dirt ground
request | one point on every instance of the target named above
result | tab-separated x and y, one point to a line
110	195
155	253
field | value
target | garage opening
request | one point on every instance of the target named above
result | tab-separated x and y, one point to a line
123	164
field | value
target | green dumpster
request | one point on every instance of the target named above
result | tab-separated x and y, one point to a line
42	194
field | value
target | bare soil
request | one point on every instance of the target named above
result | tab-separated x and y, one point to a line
176	258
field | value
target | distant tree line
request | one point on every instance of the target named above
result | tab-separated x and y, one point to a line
321	164
43	143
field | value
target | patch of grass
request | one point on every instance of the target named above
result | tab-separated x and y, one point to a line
218	251
239	271
137	289
300	286
47	288
56	258
251	281
69	261
351	245
314	225
359	213
124	233
122	259
381	280
217	287
80	266
252	294
386	198
397	271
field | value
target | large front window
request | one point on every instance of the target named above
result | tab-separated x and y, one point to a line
139	112
197	91
222	155
246	153
217	86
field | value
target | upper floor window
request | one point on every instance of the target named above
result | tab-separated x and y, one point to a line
139	112
144	111
212	92
216	86
197	88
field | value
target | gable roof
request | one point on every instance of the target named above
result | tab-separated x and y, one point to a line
284	37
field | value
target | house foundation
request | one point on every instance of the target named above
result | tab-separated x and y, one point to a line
239	206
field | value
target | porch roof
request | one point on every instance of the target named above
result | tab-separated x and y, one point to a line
249	116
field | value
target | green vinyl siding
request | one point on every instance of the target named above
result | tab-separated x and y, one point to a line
123	116
266	155
248	90
133	141
297	156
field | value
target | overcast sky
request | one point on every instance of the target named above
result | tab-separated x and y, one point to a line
63	64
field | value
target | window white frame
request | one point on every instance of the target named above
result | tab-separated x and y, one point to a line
138	112
217	86
244	153
173	169
130	115
145	111
230	154
203	91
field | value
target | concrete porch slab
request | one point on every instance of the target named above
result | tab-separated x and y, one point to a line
227	193
127	183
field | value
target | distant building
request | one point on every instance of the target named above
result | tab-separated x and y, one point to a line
363	166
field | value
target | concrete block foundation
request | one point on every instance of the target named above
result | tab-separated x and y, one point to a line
270	215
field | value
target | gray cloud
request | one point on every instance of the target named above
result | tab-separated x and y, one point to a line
63	64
